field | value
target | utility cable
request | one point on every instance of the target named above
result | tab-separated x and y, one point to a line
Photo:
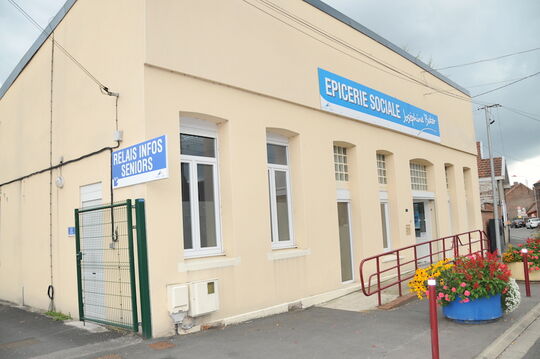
522	113
355	49
50	290
102	87
511	83
60	165
403	76
486	60
490	83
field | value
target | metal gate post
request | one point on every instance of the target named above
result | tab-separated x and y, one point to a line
78	257
142	257
131	266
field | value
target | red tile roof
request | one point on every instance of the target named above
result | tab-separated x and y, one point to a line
484	167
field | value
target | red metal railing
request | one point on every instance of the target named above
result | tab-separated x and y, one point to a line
422	254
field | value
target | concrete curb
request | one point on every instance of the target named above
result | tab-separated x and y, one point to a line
500	344
398	302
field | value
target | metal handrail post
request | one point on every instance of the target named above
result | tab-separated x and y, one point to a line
379	282
398	272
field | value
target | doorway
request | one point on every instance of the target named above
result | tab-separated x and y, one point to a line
423	209
345	241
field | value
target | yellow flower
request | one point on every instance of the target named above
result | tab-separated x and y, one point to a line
418	283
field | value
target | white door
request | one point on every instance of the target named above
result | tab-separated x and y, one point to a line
92	242
345	241
422	228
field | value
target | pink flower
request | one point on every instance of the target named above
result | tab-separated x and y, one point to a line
466	300
427	294
441	295
467	293
447	297
463	284
453	290
445	287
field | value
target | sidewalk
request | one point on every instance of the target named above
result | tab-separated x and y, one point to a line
317	332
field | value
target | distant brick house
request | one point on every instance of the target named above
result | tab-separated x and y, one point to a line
533	211
519	200
484	179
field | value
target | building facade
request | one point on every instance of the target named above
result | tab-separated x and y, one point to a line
519	199
297	142
533	211
486	188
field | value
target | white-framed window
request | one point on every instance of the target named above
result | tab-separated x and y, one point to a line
385	222
200	190
418	177
279	184
381	168
340	163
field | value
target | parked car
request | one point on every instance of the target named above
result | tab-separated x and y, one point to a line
518	223
533	223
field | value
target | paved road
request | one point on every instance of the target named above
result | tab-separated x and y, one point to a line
534	352
402	333
25	334
519	235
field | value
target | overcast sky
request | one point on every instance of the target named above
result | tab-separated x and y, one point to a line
442	33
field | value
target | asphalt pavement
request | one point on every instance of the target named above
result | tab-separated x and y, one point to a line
315	332
520	235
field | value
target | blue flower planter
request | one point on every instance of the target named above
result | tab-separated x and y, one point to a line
478	310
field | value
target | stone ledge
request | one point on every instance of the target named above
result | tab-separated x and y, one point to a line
398	302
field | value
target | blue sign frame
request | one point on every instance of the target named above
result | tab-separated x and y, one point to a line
351	99
143	162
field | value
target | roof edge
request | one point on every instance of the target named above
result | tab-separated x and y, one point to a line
364	30
25	60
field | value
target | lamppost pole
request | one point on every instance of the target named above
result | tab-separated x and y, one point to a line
494	188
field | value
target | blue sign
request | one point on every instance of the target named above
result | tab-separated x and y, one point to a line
143	162
71	231
351	99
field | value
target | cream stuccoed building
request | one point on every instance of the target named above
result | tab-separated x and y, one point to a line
272	146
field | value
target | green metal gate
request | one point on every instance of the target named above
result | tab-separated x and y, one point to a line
106	268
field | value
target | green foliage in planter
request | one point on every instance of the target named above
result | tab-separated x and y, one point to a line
512	298
513	254
472	277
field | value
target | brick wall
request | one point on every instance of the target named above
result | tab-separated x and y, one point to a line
518	195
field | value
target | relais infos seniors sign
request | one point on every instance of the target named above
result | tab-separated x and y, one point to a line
143	162
351	99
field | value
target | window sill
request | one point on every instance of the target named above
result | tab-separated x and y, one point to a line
196	264
423	194
287	254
